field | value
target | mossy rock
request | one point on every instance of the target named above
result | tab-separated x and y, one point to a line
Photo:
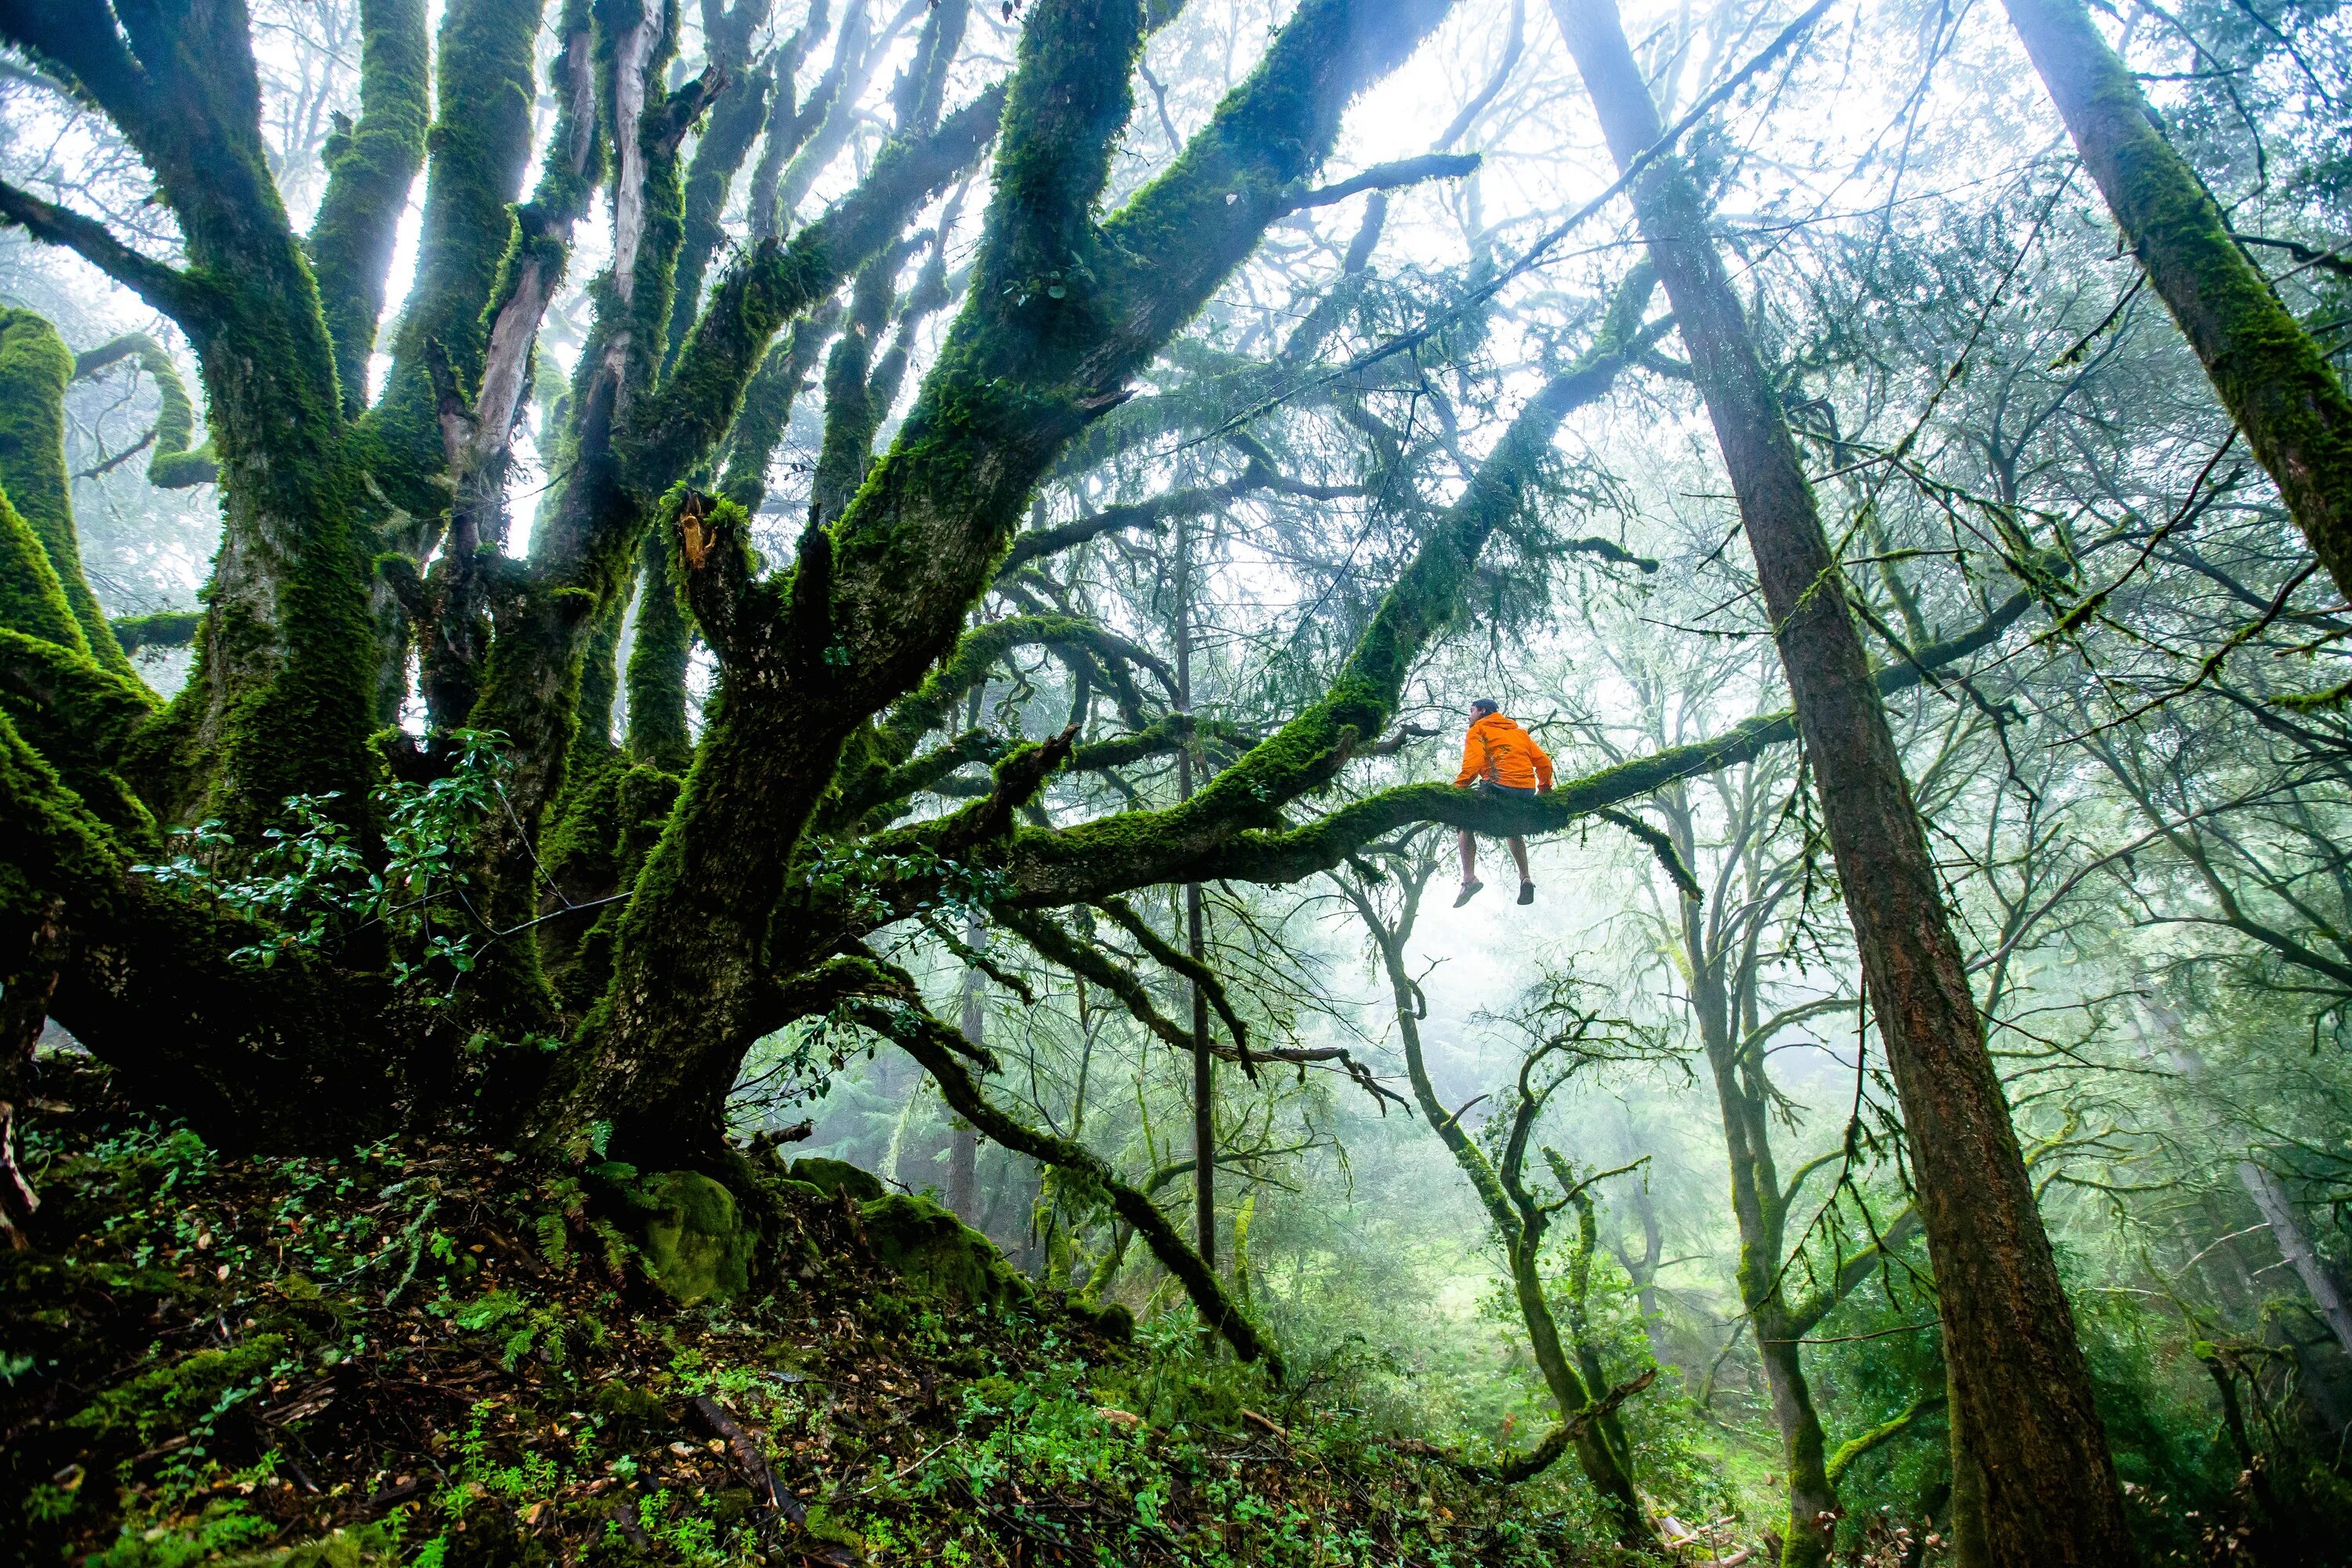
937	1254
833	1177
1113	1321
697	1246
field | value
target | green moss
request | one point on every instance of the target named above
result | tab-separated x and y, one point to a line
611	820
369	167
81	718
165	628
697	1246
2271	373
600	683
32	600
936	1254
478	145
34	367
180	1394
767	408
173	461
728	129
658	657
834	1177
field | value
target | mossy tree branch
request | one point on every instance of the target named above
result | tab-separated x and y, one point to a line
34	368
875	603
369	166
736	115
2271	375
1080	864
479	143
174	461
941	1050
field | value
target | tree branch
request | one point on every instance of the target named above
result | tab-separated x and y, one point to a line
164	287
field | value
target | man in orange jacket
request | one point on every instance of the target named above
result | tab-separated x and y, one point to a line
1500	758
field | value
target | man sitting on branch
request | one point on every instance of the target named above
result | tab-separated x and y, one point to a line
1500	758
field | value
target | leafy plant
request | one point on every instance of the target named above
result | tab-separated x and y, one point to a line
313	888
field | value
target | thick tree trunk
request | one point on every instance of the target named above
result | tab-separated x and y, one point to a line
878	598
2272	376
2017	1373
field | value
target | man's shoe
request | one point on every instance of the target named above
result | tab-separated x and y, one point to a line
1526	892
1468	890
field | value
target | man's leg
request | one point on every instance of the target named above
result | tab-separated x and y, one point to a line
1470	883
1519	856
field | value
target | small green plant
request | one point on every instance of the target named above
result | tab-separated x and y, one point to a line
312	888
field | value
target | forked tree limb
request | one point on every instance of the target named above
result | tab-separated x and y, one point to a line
887	1003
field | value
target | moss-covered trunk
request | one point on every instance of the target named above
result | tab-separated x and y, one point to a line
34	368
2273	378
1757	1206
882	595
2017	1372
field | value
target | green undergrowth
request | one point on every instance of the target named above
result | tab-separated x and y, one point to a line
435	1355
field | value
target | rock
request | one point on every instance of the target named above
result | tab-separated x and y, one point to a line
833	1177
938	1255
697	1246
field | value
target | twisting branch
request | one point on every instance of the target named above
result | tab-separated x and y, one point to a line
175	463
888	1003
1172	957
165	287
1389	176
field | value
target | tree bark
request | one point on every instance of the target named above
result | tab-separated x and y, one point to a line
2271	375
1205	1065
964	1139
2017	1378
878	598
2270	1196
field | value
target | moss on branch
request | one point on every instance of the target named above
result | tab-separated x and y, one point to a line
32	600
34	368
2272	374
369	166
479	144
1083	864
174	462
940	1051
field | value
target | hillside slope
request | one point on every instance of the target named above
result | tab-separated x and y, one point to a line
434	1356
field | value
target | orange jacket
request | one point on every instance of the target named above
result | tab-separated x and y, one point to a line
1500	752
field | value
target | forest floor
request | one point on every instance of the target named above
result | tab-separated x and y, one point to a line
432	1354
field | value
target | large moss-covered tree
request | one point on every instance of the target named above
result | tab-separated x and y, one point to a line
624	921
